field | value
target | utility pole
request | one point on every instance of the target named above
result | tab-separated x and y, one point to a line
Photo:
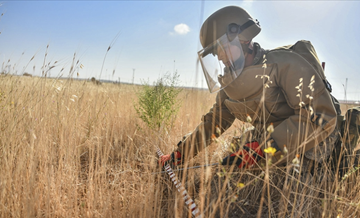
345	88
133	76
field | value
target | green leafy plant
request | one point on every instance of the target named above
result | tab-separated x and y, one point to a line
158	104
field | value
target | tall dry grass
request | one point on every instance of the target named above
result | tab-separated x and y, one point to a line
76	149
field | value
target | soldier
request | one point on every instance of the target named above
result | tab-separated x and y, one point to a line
279	88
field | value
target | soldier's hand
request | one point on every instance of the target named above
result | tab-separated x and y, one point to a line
174	158
164	159
246	157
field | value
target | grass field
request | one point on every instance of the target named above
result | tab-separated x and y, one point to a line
76	149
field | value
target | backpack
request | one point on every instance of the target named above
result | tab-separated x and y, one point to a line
307	51
346	154
350	129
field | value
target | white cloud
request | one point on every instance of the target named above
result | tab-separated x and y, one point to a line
182	29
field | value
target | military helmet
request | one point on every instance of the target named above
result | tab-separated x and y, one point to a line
217	25
224	52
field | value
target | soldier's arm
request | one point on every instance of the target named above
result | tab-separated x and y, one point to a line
218	116
315	115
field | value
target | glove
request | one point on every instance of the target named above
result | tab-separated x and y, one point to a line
174	158
246	157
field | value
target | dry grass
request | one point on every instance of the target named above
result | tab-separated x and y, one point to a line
74	149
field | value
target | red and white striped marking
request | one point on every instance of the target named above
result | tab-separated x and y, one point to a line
188	201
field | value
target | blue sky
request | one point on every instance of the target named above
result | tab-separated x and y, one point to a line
147	40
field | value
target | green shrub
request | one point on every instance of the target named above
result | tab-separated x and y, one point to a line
158	104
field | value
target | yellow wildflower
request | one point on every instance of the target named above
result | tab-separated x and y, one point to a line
270	150
240	185
220	174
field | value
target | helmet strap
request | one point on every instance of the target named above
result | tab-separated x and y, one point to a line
248	47
251	47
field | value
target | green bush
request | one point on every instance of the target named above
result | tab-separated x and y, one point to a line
158	104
